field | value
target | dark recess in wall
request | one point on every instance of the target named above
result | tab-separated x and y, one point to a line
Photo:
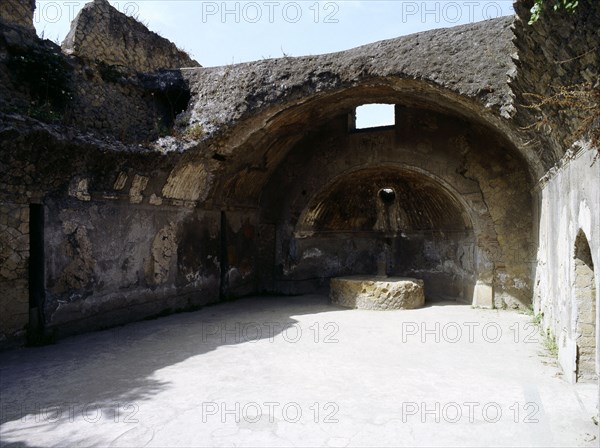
36	272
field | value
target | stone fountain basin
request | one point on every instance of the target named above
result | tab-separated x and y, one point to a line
377	293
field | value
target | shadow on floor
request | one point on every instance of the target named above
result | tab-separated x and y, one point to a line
117	365
433	302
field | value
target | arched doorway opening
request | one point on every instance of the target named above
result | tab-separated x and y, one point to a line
584	289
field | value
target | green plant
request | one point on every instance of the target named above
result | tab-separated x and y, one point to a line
195	132
550	344
536	319
527	310
536	10
46	75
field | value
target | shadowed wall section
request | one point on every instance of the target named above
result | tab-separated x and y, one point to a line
457	189
156	192
397	216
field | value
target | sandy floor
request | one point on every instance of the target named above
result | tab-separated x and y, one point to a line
297	372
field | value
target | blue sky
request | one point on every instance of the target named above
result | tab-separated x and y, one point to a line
225	32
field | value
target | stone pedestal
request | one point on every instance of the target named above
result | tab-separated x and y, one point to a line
377	293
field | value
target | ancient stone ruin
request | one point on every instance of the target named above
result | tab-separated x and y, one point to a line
135	182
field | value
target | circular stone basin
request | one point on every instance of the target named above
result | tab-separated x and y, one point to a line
377	293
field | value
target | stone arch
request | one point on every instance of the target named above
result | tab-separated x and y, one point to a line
431	204
261	141
290	165
584	301
473	220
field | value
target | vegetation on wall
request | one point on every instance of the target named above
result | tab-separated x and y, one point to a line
538	7
584	97
195	132
576	105
46	77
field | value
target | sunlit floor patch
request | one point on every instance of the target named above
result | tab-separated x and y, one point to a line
298	371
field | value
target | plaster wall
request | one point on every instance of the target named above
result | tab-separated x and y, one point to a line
109	263
568	205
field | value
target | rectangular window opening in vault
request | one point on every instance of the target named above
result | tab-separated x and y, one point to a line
375	116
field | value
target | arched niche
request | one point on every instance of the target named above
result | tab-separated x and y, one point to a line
408	217
584	297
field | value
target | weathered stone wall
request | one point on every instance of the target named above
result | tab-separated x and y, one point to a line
488	181
557	54
14	270
101	33
223	96
38	80
568	205
39	163
123	237
559	65
109	263
18	12
25	63
214	209
556	89
129	107
240	257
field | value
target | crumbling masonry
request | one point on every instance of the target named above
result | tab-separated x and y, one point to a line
133	181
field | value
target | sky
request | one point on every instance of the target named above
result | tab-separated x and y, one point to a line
224	32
